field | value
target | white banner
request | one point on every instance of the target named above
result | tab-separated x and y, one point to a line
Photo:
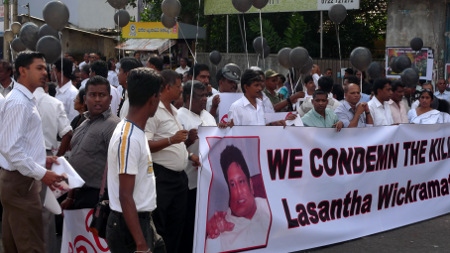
314	186
76	234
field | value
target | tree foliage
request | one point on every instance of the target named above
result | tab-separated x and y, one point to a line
360	28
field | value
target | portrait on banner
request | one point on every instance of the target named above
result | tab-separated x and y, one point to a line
239	216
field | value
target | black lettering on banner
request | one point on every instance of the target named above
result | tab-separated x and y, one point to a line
277	161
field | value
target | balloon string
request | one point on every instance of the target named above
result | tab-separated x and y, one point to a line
245	41
195	54
262	38
291	78
187	44
339	46
62	55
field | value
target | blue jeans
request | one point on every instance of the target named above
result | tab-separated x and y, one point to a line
120	239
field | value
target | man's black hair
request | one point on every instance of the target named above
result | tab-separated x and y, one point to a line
143	83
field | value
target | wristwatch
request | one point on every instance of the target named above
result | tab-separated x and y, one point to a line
190	156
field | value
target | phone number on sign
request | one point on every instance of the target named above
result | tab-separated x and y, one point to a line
336	1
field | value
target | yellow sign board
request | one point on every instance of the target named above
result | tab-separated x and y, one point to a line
149	30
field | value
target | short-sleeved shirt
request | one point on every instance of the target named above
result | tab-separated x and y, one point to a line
381	112
128	153
314	119
346	113
243	113
162	126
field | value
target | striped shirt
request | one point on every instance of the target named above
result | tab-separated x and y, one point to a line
128	153
22	145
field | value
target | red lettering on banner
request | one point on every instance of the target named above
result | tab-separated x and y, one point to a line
278	162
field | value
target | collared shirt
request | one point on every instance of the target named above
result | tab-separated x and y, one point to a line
307	105
190	121
267	104
22	146
113	79
244	113
66	94
54	118
399	112
115	99
4	91
129	154
181	70
381	112
274	99
2	100
314	119
125	106
90	147
346	113
444	95
162	126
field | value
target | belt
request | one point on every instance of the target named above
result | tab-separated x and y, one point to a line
143	215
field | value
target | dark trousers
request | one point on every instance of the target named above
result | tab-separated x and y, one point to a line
22	228
170	213
120	239
187	241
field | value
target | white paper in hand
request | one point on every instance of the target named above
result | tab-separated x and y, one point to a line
51	203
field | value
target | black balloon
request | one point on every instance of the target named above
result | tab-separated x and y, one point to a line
167	21
401	63
235	68
265	52
122	18
215	57
375	70
337	13
410	77
242	5
171	8
298	57
118	4
45	30
360	58
283	57
56	15
416	44
17	45
306	69
259	4
259	44
50	47
29	35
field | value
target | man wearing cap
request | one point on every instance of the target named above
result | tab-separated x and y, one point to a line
227	80
279	104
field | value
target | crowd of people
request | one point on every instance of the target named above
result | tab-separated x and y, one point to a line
138	125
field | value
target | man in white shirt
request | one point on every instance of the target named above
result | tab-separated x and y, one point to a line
249	109
398	106
378	105
2	100
65	92
23	161
84	75
85	61
183	66
6	80
112	75
192	118
131	179
166	138
441	92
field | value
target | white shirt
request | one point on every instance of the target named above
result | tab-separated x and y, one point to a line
243	113
2	100
316	78
115	100
80	66
381	112
5	91
444	95
267	104
399	112
113	79
190	121
181	70
53	116
66	94
246	232
162	126
83	83
124	110
21	140
128	153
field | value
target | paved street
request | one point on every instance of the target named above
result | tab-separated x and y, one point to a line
429	236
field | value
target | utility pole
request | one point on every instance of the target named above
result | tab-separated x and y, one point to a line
14	11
